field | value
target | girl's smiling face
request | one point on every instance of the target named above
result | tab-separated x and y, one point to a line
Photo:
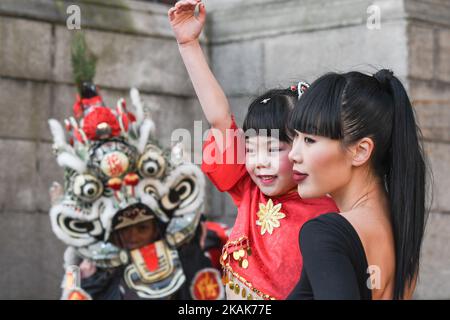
320	165
268	164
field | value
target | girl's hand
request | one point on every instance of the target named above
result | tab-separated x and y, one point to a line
186	26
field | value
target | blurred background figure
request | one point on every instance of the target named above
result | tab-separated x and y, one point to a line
133	46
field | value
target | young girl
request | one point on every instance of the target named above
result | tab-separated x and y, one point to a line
357	140
261	260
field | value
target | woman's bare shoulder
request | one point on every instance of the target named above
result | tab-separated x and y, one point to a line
375	232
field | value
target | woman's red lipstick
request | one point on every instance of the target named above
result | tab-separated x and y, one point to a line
298	176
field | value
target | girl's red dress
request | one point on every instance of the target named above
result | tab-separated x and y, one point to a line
274	262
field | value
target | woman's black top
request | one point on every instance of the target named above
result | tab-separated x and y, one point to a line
334	262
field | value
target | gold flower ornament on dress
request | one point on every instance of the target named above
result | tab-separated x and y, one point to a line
269	216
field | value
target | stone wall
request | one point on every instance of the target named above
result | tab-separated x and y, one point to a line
428	33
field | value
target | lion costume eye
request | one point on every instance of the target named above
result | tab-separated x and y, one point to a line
151	190
184	189
152	164
178	194
87	187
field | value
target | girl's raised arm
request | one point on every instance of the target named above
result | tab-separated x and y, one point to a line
187	28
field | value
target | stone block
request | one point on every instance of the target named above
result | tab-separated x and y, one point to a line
32	258
239	67
431	102
25	48
18	175
123	16
438	155
443	55
421	51
24	108
124	60
434	280
306	56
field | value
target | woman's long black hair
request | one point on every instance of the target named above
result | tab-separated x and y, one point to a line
352	106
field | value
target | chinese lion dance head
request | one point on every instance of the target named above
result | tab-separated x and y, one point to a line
117	177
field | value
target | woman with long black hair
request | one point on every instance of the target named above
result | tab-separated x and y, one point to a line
356	139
